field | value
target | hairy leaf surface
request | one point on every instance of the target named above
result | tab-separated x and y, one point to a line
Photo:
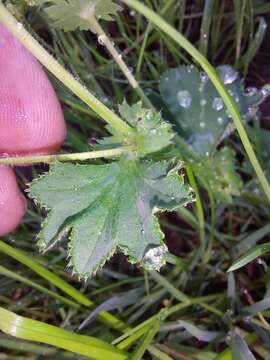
108	207
152	132
70	15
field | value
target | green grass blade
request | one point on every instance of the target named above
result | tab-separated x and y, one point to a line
205	26
161	280
27	329
13	275
59	283
249	256
255	44
251	240
14	344
209	69
138	354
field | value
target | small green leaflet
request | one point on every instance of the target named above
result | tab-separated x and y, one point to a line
249	256
70	15
152	133
219	175
109	207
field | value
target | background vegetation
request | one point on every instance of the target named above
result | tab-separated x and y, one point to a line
191	309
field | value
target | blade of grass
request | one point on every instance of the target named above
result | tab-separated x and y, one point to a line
15	344
200	211
60	284
254	45
148	337
240	7
209	69
205	26
249	256
177	294
13	275
27	329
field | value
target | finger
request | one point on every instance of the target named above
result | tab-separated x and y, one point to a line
31	119
12	202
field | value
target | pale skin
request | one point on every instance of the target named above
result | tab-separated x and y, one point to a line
31	121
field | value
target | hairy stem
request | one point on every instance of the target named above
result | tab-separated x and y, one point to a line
65	157
60	73
106	41
214	77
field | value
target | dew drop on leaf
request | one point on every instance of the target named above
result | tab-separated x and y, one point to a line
227	74
250	91
19	25
202	124
265	91
153	258
217	104
204	77
220	120
184	98
101	39
203	102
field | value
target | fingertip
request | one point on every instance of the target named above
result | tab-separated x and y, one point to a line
31	118
12	202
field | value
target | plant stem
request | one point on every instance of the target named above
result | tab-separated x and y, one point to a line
65	157
106	41
213	75
212	226
60	73
199	207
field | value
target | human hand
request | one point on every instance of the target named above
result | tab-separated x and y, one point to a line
31	121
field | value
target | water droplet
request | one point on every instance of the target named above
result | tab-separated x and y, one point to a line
265	91
203	102
153	258
172	198
217	104
228	74
101	39
250	91
184	98
202	124
204	77
142	232
220	120
19	25
132	13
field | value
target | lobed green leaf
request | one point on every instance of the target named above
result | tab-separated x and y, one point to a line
109	207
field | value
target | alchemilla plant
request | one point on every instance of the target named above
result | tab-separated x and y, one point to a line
165	162
115	206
